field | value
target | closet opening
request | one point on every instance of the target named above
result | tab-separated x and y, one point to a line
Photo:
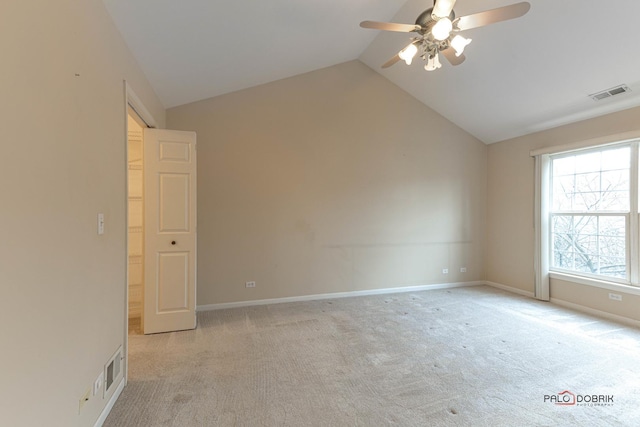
135	221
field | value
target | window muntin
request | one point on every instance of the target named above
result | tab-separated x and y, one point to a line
590	211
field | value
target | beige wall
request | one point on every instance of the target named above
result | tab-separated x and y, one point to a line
510	210
62	287
332	181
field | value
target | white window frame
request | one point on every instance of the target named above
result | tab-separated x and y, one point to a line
544	250
630	229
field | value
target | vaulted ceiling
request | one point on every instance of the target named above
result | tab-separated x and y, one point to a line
520	76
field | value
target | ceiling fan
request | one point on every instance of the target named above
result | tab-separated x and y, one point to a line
436	30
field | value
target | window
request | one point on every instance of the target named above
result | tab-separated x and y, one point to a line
593	214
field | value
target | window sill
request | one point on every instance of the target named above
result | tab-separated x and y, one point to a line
629	289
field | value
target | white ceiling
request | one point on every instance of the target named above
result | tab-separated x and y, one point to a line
520	76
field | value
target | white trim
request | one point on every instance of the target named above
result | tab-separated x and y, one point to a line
107	409
131	99
597	313
632	236
581	280
134	101
209	307
542	244
125	366
510	289
595	278
603	140
577	307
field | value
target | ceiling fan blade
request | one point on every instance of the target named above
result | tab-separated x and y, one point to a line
391	61
443	8
492	16
389	26
450	54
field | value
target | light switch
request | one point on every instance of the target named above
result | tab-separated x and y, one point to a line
100	223
97	384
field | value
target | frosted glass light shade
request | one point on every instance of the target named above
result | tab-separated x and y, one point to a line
443	8
408	53
459	43
442	29
433	63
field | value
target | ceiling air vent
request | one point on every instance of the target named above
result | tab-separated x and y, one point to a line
610	92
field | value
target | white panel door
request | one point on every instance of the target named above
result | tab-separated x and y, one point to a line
170	230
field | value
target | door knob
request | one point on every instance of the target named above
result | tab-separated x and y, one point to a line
173	242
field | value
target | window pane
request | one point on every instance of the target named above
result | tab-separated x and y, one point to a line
618	158
587	245
586	225
588	182
585	201
588	162
612	226
564	166
563	190
586	263
615	267
615	180
562	242
615	190
591	244
563	260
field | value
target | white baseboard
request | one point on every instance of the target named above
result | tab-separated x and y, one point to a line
566	304
510	289
107	409
221	306
597	313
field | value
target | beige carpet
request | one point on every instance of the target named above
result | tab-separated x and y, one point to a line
462	357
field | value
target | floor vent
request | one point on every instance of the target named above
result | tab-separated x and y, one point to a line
610	92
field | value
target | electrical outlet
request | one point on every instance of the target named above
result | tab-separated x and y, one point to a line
463	269
97	384
615	297
445	271
250	284
84	399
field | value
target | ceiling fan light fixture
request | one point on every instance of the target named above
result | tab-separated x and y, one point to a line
459	43
442	29
442	8
408	53
437	29
433	63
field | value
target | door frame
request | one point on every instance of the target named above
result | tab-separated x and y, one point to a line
130	100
